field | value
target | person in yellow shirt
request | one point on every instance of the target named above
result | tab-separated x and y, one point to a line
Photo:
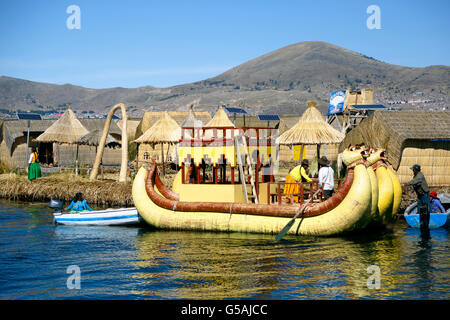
296	175
299	172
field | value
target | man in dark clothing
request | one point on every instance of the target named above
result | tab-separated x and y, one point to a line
422	190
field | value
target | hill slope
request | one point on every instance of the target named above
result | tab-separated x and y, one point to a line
280	81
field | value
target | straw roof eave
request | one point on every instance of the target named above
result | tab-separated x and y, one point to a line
67	129
220	119
165	130
93	139
311	129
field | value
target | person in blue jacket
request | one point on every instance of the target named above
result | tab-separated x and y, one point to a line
79	204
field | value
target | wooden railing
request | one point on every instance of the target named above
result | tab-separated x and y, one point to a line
311	188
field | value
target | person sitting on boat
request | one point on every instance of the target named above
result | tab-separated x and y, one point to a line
296	175
79	204
34	168
326	178
436	205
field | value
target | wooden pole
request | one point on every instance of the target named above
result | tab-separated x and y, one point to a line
76	162
183	174
162	159
137	157
318	157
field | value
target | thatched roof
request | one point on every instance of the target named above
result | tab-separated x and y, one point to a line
311	129
191	120
220	119
165	130
151	117
391	130
99	124
66	129
11	130
93	139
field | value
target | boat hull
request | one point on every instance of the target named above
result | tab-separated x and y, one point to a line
437	220
163	213
123	216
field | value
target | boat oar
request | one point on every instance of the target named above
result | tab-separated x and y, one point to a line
291	222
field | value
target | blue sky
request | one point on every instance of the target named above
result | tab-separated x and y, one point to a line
163	43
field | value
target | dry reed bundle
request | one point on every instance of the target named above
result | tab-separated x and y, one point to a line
311	129
64	187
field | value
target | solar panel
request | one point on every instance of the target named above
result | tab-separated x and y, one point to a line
29	116
268	117
235	110
368	106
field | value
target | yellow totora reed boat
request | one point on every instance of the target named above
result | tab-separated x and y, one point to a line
221	206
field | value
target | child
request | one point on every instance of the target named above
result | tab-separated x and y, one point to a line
79	204
436	205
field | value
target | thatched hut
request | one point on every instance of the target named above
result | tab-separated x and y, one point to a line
220	119
191	120
146	151
13	142
67	129
409	137
165	131
311	129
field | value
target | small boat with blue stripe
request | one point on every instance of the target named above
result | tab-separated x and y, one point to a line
122	216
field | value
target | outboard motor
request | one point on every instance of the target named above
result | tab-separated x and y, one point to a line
56	205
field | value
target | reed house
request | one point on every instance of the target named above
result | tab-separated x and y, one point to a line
409	137
13	142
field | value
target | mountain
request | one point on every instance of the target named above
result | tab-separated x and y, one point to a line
280	81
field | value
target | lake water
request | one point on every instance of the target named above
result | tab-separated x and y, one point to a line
39	260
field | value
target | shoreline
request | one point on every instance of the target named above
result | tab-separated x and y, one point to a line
105	193
100	193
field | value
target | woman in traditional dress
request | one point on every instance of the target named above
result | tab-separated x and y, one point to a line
34	168
296	175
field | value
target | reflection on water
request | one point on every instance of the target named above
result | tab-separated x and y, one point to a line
217	266
139	263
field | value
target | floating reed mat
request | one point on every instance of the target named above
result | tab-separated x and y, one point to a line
104	193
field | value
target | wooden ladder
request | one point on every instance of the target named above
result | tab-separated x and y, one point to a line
241	167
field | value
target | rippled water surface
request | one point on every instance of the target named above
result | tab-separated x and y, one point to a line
140	263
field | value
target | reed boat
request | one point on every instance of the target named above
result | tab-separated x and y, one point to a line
224	207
